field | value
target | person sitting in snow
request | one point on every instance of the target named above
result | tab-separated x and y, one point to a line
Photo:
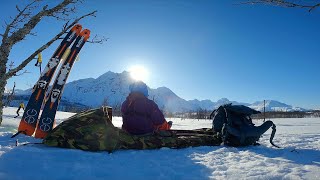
141	115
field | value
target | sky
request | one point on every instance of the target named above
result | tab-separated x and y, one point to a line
199	49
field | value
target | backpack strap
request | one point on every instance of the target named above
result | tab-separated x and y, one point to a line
229	122
272	135
224	131
212	114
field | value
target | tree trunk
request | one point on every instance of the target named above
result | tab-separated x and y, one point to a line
4	53
3	83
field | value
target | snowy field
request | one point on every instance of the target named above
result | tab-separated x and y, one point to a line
298	159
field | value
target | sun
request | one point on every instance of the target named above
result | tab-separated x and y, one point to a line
139	73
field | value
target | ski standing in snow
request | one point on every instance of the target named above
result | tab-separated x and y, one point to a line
29	121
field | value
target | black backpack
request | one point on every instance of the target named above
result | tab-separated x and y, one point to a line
234	125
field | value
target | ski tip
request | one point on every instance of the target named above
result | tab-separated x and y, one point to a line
85	33
77	28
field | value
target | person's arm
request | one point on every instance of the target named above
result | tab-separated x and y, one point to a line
156	115
165	126
124	107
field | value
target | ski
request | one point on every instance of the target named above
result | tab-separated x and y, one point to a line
47	119
30	116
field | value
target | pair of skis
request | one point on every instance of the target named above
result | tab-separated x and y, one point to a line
30	122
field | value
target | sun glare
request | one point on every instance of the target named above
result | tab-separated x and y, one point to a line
139	73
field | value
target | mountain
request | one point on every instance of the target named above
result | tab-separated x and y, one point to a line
169	101
109	88
112	89
272	105
204	104
209	105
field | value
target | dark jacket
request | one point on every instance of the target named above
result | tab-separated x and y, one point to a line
140	115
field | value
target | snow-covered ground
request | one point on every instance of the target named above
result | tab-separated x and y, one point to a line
299	159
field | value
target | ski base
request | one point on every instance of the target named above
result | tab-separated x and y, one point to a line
30	116
47	119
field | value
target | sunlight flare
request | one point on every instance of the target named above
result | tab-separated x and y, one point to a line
139	73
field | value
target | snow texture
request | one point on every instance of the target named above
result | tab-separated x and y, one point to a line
298	159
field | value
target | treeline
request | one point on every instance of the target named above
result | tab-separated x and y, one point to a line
199	114
205	114
66	106
294	114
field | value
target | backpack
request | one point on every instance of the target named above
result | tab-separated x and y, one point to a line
235	127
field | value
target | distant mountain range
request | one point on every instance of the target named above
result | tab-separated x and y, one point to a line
112	89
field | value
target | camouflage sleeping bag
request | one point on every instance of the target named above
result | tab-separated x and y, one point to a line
92	130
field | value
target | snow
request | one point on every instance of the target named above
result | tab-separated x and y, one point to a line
299	159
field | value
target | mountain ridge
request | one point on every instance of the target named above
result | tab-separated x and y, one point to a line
112	89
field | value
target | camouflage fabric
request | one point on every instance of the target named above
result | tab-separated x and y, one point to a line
93	131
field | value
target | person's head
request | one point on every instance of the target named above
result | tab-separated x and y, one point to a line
139	87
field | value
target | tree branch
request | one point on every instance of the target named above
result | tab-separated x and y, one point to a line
21	33
15	20
24	72
283	3
315	6
67	26
98	40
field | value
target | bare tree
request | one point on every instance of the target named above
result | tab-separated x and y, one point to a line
21	26
307	4
105	101
10	95
116	109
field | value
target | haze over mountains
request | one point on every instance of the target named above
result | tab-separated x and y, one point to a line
112	89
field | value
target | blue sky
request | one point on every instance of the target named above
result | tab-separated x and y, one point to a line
199	49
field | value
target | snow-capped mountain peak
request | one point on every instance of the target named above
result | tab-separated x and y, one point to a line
273	105
112	88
